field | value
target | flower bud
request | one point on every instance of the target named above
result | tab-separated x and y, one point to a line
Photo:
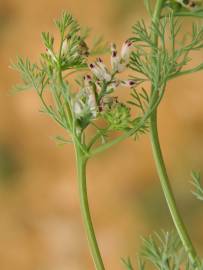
87	80
92	104
126	50
101	64
96	71
100	72
115	59
128	83
78	108
104	70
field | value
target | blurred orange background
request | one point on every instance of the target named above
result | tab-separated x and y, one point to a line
40	222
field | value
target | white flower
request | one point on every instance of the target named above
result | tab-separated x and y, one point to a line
105	73
87	80
119	63
115	59
78	107
90	95
128	83
96	71
100	71
126	50
92	104
101	65
78	103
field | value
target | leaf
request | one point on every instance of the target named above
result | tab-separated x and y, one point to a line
127	263
61	141
20	87
141	264
67	21
163	250
31	75
48	40
196	182
139	99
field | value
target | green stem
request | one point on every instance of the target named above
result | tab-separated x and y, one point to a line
168	193
148	7
157	13
190	14
161	169
89	229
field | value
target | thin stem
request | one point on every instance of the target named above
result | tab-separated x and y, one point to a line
92	241
148	7
156	15
94	140
168	193
190	14
187	71
68	107
161	169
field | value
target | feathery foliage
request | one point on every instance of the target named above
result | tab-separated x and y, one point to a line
81	95
196	182
162	251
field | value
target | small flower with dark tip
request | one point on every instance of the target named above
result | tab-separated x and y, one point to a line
119	63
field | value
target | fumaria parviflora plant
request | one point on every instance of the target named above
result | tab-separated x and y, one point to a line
155	53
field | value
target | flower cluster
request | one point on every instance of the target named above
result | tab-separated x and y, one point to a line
95	99
73	51
118	63
85	101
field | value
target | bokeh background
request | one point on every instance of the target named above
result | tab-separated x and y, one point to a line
40	223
